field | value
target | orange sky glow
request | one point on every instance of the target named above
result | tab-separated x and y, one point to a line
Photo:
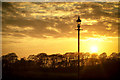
35	27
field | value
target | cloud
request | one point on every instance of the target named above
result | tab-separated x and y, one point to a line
53	29
57	20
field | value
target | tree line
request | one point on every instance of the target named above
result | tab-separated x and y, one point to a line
69	59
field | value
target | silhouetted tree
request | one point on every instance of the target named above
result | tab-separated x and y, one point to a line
55	58
11	57
114	55
32	58
42	59
68	57
8	59
94	59
23	61
82	57
119	55
103	57
86	56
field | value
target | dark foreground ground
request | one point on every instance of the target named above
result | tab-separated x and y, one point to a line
109	70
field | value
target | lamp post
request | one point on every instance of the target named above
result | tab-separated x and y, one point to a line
78	28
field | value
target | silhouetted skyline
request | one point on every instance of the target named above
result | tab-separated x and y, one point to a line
57	67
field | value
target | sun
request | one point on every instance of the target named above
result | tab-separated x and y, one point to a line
94	49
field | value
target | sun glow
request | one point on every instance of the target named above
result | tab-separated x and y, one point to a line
94	49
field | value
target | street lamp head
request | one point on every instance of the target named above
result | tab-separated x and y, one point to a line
78	20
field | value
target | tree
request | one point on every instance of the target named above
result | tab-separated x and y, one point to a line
86	56
68	57
42	59
82	58
55	59
119	55
114	55
94	55
32	57
94	59
41	55
10	57
102	57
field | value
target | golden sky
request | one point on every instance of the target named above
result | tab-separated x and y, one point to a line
35	27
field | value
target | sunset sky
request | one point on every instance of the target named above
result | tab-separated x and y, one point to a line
35	27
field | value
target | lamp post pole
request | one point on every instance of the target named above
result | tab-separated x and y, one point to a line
78	26
78	50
